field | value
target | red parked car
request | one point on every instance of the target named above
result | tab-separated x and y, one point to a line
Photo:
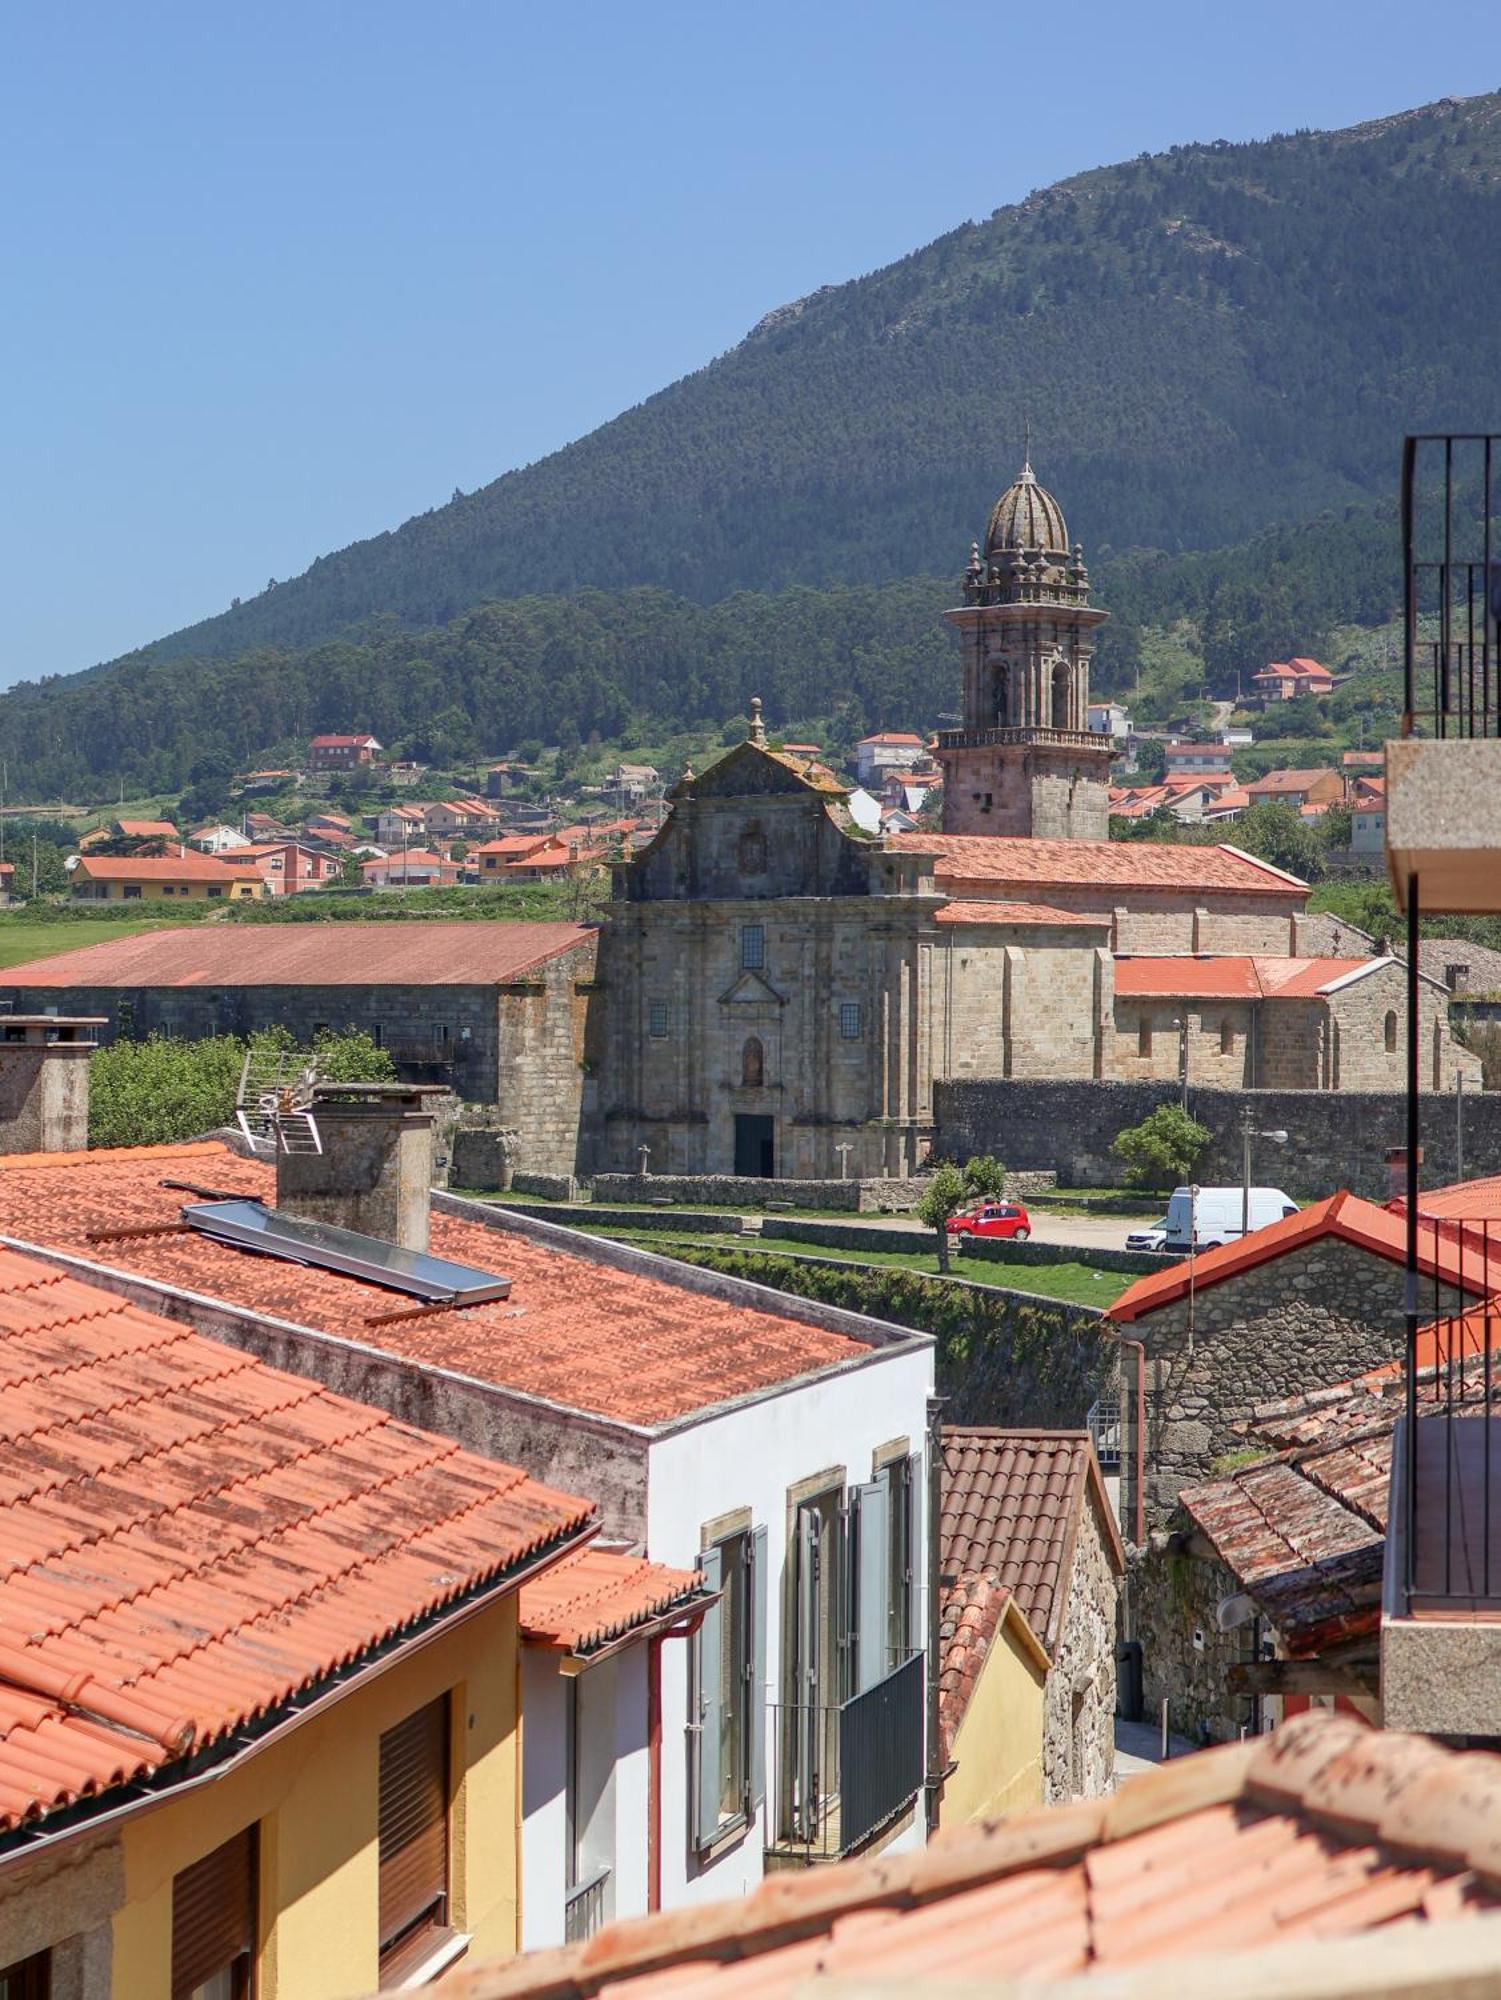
992	1218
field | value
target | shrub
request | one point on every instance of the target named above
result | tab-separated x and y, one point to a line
1163	1149
163	1089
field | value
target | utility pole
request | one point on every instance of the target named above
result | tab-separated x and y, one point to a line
1459	1123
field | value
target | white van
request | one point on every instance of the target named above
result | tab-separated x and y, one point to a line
1217	1214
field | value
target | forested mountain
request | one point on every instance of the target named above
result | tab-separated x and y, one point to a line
625	662
1206	341
1212	346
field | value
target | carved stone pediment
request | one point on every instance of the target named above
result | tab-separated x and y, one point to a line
751	989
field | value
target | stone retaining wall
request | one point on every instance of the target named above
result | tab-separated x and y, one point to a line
1336	1138
867	1197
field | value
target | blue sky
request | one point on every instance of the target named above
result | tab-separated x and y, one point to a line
278	277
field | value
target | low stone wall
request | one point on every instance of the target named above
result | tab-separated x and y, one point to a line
1335	1138
1001	1250
867	1197
587	1215
1003	1357
547	1187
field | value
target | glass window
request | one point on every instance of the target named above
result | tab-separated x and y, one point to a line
657	1020
132	892
849	1020
753	947
729	1671
28	1979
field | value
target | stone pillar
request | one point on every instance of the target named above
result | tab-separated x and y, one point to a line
44	1081
375	1170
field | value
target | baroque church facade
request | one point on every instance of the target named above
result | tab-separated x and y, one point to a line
782	990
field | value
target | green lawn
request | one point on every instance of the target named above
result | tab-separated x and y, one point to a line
1074	1284
23	937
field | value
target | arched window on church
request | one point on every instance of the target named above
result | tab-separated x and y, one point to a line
1389	1029
752	853
752	1064
1227	1038
1060	696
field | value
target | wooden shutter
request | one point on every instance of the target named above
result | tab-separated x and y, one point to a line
213	1914
414	1822
872	1515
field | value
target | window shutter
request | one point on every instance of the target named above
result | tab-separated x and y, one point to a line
710	1640
757	1600
805	1691
213	1913
872	1582
414	1822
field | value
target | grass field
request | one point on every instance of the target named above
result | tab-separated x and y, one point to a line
23	938
1074	1284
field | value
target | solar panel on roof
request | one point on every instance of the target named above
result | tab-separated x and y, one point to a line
250	1226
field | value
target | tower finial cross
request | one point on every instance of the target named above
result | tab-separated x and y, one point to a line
1027	442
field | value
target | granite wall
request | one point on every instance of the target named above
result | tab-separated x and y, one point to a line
1336	1139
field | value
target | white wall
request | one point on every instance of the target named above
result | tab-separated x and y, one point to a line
613	1784
748	1458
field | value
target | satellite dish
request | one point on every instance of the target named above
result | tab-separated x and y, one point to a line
274	1103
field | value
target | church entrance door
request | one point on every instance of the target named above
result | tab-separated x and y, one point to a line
755	1145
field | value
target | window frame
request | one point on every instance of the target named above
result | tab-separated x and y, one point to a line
28	1978
753	947
658	1011
851	1010
734	1561
240	1852
421	1932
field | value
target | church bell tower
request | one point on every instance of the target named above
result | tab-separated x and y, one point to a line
1025	762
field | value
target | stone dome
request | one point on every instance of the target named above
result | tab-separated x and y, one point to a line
1027	517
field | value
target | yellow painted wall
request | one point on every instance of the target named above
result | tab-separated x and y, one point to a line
153	891
999	1745
314	1795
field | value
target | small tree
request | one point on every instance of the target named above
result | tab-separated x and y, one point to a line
985	1177
945	1194
1163	1149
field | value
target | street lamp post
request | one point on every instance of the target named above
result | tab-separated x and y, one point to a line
1248	1132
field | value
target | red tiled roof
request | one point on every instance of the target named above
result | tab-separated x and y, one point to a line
1141	864
596	1595
393	954
1234	978
154	868
1289	781
976	1606
888	736
1343	1215
189	1537
1011	1504
573	1332
1464	1201
964	911
1300	663
147	829
333	742
1325	1829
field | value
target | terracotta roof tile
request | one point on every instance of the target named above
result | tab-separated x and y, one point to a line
190	867
392	954
965	911
1142	864
1010	1509
189	1537
1233	977
1342	1215
575	1332
595	1596
1325	1829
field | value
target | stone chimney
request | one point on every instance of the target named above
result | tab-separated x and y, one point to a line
375	1171
1396	1174
44	1081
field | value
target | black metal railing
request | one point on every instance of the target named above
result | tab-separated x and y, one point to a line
1450	1451
1451	558
584	1909
850	1767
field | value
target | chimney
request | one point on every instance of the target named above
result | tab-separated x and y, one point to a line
376	1167
1396	1175
44	1081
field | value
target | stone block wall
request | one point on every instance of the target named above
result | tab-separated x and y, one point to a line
1314	1316
863	1197
548	1043
1219	1041
1078	1731
1185	1656
1336	1139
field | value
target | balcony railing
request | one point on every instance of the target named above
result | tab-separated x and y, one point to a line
849	1768
584	1910
1104	1425
969	739
1452	585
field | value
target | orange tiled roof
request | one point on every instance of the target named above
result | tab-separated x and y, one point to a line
965	911
1324	1829
1464	1201
976	1607
147	829
154	868
189	1537
1289	781
393	954
1232	977
597	1595
573	1332
1141	864
1344	1215
1011	1503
